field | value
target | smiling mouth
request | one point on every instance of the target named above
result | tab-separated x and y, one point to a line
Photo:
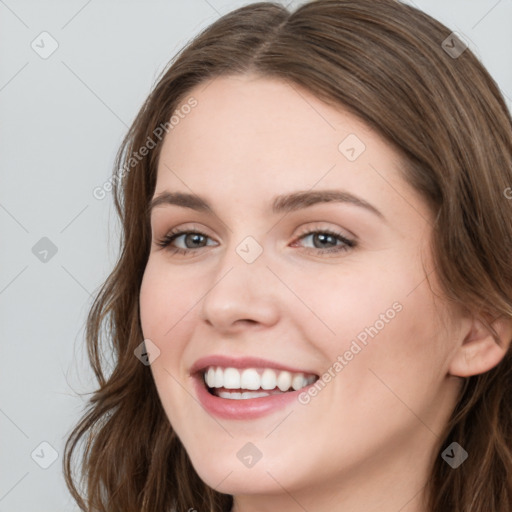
235	384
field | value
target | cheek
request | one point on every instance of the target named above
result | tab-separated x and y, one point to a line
166	319
340	302
162	302
386	309
403	359
150	301
169	302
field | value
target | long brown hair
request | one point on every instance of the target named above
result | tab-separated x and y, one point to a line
385	62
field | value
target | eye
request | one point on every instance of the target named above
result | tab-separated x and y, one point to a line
325	236
195	240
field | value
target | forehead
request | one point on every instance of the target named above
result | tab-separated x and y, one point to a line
238	112
247	127
250	138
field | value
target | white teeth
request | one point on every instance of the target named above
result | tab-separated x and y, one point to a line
298	382
268	379
249	394
310	380
210	377
254	379
284	381
231	378
234	395
250	379
219	378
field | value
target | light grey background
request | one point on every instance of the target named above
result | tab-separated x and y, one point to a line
61	121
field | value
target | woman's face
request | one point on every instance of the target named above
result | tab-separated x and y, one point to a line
333	289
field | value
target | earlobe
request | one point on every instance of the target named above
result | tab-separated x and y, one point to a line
479	351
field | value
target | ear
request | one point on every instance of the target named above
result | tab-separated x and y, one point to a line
479	351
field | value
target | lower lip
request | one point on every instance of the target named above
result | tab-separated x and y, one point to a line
244	409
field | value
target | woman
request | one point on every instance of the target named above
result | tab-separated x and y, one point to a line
316	253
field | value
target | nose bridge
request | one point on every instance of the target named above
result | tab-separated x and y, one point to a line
241	287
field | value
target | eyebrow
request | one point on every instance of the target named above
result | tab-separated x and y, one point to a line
284	203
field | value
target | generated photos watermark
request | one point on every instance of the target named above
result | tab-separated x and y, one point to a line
100	192
343	360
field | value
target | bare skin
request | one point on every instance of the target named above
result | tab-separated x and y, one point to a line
365	442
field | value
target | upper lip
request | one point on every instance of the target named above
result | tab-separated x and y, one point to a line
242	362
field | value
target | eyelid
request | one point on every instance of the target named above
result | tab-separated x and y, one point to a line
347	242
192	226
320	226
317	225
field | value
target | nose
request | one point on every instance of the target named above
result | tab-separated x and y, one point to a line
241	294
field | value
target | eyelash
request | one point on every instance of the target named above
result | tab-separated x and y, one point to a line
171	236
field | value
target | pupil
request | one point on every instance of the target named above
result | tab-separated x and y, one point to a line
195	237
324	236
